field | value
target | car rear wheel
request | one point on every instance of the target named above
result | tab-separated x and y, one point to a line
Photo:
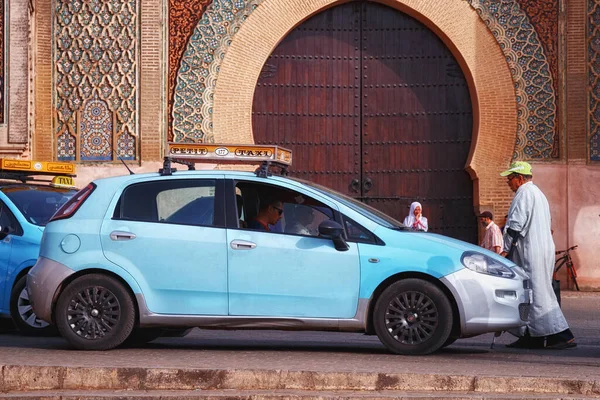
95	312
22	313
412	317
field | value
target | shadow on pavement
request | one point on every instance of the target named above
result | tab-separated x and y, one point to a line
477	348
373	347
363	347
6	325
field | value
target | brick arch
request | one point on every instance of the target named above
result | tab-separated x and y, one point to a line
456	23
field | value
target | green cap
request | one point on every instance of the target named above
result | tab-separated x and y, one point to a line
518	167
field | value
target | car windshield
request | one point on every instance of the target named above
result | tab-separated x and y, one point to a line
38	203
365	210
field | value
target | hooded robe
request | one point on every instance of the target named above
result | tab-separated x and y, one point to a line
529	217
412	222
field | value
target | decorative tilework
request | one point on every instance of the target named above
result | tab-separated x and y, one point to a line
66	146
197	75
96	131
536	98
543	15
534	84
96	62
183	18
593	31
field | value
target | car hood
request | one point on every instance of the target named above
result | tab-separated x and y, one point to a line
393	237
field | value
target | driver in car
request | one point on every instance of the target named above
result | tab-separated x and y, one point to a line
269	214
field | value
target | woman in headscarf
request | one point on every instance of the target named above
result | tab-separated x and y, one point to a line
415	218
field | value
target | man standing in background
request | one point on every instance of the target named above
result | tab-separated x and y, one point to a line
492	238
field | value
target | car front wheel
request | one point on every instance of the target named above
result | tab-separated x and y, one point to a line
413	317
95	312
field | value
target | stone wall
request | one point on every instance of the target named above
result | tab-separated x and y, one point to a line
509	85
575	216
14	136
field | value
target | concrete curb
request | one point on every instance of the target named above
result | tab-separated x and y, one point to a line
21	378
575	294
274	395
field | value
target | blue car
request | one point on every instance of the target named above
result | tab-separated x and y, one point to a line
25	208
128	256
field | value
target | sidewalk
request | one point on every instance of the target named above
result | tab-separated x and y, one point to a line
576	294
302	365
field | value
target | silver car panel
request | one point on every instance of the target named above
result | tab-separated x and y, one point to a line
43	281
356	324
478	296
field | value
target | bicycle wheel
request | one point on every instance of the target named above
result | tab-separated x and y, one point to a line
573	276
572	272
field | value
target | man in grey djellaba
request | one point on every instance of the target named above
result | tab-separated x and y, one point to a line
528	230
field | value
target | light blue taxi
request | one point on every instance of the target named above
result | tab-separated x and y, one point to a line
174	249
26	205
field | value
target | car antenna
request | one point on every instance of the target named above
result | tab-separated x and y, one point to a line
123	161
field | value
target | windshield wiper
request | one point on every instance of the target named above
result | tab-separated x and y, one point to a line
401	228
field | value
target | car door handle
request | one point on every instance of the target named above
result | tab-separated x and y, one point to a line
120	235
242	245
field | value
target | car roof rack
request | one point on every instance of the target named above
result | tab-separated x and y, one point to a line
27	170
191	153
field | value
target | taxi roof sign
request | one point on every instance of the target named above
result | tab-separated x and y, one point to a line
27	170
28	167
195	152
190	153
61	181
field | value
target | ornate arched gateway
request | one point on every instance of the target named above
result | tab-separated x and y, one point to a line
458	25
374	105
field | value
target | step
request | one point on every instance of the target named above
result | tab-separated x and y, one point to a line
274	395
23	378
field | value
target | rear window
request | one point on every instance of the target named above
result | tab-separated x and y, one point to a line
38	203
185	202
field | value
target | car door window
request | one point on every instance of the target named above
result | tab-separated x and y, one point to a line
8	222
184	202
357	233
37	204
300	219
299	214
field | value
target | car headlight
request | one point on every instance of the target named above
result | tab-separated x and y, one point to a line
486	265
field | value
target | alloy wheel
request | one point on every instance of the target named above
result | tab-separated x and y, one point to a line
93	312
411	317
26	311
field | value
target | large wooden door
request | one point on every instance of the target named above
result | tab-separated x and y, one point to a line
375	106
308	99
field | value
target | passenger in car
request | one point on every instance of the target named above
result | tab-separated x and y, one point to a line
269	213
303	218
240	207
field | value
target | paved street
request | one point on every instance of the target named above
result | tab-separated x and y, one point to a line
339	352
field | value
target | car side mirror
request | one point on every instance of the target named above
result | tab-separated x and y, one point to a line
334	231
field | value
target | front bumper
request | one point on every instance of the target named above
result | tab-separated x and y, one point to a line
43	281
487	303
